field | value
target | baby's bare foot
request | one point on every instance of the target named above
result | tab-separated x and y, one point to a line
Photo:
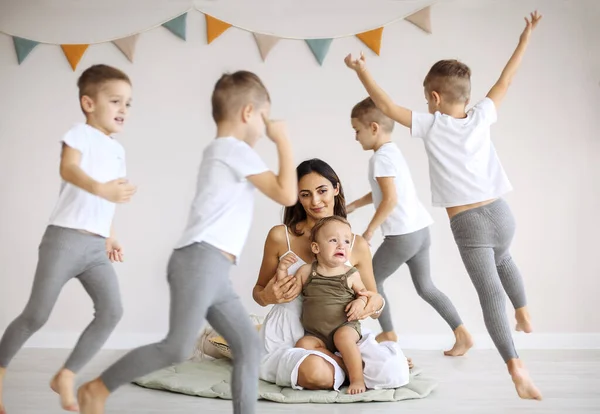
62	384
387	336
463	343
523	320
356	387
92	397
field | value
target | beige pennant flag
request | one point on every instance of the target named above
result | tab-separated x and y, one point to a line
421	19
127	45
265	43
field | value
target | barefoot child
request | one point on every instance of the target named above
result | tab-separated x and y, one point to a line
403	220
331	291
218	225
79	241
468	180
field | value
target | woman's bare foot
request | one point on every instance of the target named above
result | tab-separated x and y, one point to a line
2	375
523	383
387	336
92	397
523	320
356	387
463	343
63	384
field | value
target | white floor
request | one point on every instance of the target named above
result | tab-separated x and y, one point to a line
478	383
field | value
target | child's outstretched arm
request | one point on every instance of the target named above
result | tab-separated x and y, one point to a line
116	191
388	202
498	91
382	100
282	188
361	202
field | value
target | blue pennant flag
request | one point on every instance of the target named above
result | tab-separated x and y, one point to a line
23	47
320	48
177	26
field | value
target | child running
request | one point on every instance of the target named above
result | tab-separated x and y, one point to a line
468	180
218	225
404	222
331	290
79	241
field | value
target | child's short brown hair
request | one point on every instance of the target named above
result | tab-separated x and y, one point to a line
92	79
234	90
451	79
367	112
322	222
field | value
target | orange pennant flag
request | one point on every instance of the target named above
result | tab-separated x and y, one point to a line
214	28
74	53
372	39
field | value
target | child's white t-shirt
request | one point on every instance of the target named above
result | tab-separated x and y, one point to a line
222	210
409	214
463	165
103	159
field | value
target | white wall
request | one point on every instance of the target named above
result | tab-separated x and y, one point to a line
544	135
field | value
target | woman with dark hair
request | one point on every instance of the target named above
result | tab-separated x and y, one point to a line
320	194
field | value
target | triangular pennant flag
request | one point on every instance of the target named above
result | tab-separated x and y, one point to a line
23	47
265	43
319	47
372	39
214	28
421	19
177	26
127	45
73	53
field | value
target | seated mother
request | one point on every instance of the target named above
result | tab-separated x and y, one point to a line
320	195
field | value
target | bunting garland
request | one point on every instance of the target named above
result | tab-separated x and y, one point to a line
74	53
215	28
177	26
372	39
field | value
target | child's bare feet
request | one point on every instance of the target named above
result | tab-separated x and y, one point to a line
356	387
63	384
523	320
523	383
92	397
2	375
387	336
463	343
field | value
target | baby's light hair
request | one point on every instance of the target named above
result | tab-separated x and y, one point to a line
367	112
235	90
323	222
451	79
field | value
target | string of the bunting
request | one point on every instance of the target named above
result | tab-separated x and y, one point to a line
214	29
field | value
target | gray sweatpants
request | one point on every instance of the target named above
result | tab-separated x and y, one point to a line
483	236
201	290
412	249
65	254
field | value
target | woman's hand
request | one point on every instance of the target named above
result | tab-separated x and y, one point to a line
280	291
374	303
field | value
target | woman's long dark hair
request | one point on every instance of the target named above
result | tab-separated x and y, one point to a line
295	214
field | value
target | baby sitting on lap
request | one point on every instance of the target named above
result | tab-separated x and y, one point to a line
332	298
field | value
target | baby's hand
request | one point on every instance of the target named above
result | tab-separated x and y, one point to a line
284	264
357	65
355	308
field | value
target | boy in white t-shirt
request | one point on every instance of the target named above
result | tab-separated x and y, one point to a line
218	225
467	179
404	222
79	241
